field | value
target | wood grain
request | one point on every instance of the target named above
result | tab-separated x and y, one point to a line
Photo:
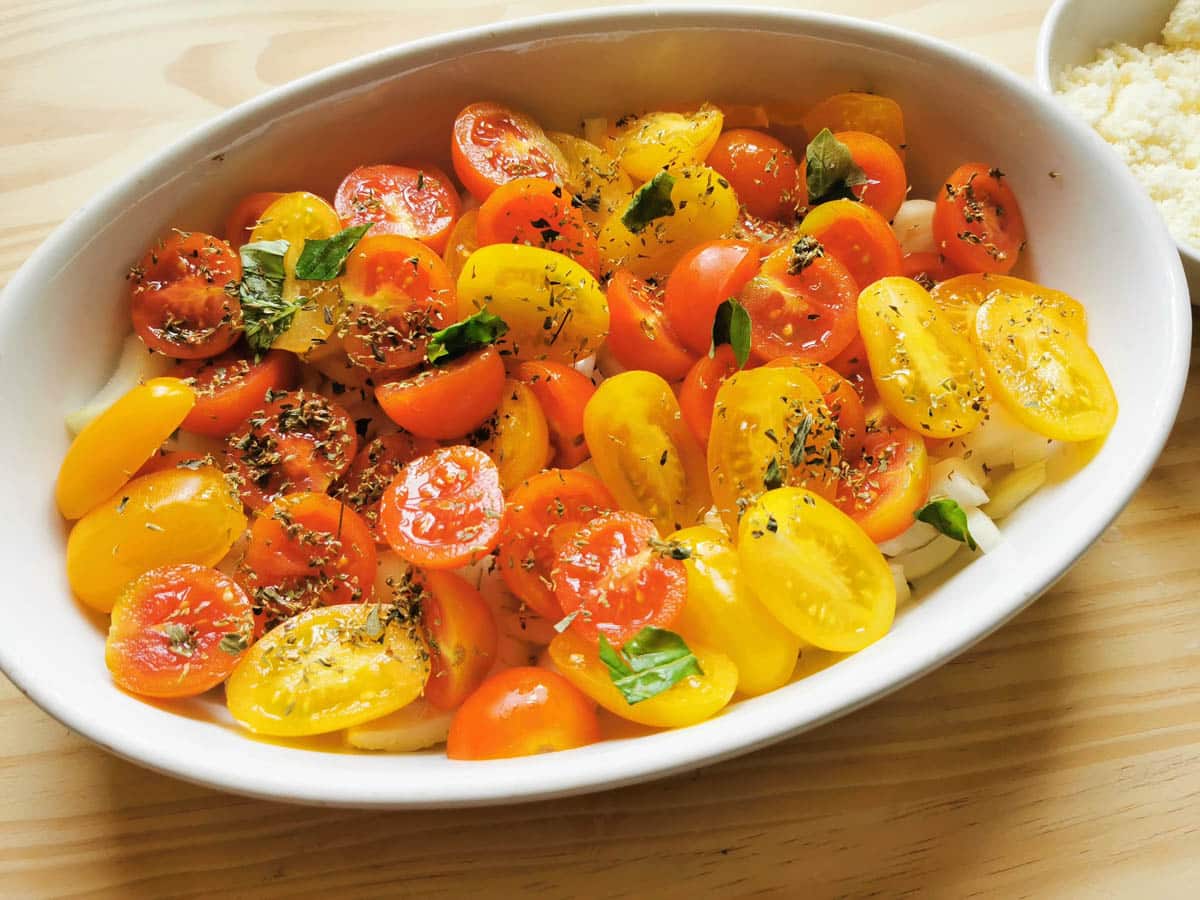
1061	757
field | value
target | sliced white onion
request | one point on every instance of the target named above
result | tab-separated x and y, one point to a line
984	530
960	480
418	726
1014	489
932	556
135	366
1001	439
913	226
916	536
586	366
903	591
1035	449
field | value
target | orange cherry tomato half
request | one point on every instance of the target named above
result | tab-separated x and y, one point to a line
520	712
375	467
887	182
977	221
543	513
415	202
762	170
853	365
540	213
615	578
307	550
882	488
446	402
492	145
178	631
562	392
230	387
245	216
299	441
802	304
928	269
858	237
461	634
638	334
397	293
698	392
443	510
842	399
180	303
702	280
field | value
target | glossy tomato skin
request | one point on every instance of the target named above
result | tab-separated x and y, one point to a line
802	304
373	469
977	222
858	237
887	182
397	292
181	302
307	550
928	269
416	202
463	241
639	336
492	145
882	488
520	712
449	401
443	510
563	393
244	217
541	515
615	579
298	441
540	213
114	445
461	633
762	170
704	278
177	631
231	387
698	392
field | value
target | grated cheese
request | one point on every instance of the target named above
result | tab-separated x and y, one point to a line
1146	103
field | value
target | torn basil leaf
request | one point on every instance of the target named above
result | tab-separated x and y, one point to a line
653	661
651	201
473	333
947	517
265	314
731	326
830	170
322	260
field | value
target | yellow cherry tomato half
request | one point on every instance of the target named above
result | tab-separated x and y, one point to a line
770	428
554	308
295	218
594	176
706	208
960	297
645	453
721	612
816	570
1041	368
327	669
113	446
649	143
926	371
856	111
691	700
516	435
161	519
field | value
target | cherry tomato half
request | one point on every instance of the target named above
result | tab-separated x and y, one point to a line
858	237
702	280
763	172
493	145
446	402
539	213
977	222
857	111
375	467
230	387
244	217
419	203
698	392
461	633
639	336
887	182
887	483
843	400
563	393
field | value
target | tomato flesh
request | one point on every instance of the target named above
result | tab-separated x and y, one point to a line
492	145
449	401
416	202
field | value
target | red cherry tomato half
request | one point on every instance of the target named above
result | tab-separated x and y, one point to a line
563	393
638	335
415	202
446	402
858	237
977	221
698	393
492	145
443	510
181	304
842	399
520	712
702	280
178	631
374	468
462	637
230	387
539	213
887	483
615	579
762	170
887	182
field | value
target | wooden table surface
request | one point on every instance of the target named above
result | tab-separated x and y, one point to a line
1060	757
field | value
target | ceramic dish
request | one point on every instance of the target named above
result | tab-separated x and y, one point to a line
1074	31
67	304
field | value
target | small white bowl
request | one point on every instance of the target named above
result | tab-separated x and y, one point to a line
65	312
1073	33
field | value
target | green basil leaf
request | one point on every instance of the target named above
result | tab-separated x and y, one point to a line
651	201
265	314
322	260
653	661
731	326
947	517
830	169
473	333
